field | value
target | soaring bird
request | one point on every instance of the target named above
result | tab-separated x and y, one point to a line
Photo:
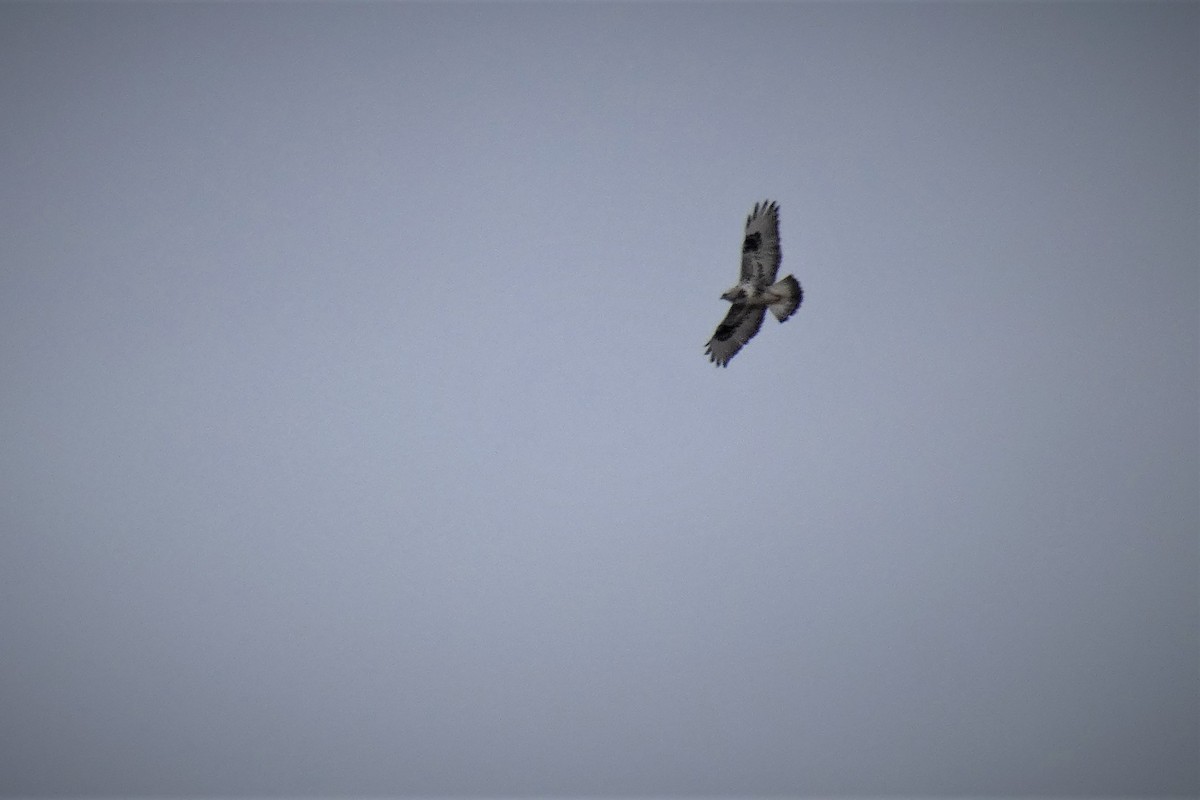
756	290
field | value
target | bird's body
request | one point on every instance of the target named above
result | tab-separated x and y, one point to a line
757	290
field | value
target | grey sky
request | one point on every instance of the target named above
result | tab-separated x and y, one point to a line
356	435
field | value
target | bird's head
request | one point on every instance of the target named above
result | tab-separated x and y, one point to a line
735	294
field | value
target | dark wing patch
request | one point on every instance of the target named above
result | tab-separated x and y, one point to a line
737	312
752	243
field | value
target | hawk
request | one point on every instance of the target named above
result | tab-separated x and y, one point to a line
756	290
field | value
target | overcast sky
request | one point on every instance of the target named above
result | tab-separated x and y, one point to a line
357	437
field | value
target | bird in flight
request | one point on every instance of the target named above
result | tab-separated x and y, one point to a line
756	290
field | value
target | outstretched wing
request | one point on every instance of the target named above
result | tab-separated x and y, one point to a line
738	327
760	248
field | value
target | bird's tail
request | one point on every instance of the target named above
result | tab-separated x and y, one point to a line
789	290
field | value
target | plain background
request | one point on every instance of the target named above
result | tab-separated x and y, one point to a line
356	435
